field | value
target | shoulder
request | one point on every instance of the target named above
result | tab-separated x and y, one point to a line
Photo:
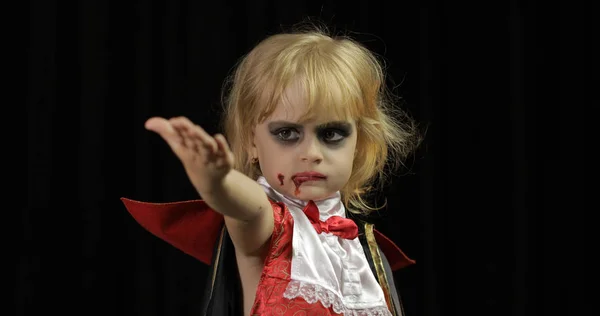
371	237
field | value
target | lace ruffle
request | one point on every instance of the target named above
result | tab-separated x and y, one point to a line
313	293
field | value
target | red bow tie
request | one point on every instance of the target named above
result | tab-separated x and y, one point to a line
337	225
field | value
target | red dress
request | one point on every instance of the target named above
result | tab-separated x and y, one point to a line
276	274
193	227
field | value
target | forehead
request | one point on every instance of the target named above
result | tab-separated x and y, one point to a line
299	104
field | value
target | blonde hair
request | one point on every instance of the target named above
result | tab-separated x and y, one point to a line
321	64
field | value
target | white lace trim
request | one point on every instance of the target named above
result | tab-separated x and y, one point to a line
312	293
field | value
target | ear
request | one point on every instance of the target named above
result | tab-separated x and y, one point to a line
252	153
252	150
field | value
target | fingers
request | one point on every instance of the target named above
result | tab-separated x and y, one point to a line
222	143
186	137
164	128
157	124
195	134
224	150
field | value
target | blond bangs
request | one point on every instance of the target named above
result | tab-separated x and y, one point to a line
331	86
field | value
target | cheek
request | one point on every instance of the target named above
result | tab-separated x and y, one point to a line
345	160
273	162
341	160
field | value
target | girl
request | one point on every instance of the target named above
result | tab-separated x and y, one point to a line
308	132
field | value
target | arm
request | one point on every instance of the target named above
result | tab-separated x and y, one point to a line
247	210
208	163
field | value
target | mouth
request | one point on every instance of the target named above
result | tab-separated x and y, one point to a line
301	177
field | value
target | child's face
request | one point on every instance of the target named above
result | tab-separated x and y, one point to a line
309	160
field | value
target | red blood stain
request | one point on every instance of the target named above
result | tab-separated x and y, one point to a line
280	177
297	183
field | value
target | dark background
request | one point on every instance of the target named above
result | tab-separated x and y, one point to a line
492	209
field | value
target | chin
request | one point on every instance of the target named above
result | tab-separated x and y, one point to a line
311	193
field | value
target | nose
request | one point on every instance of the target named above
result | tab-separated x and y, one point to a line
311	150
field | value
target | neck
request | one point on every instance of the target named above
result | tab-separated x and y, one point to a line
331	205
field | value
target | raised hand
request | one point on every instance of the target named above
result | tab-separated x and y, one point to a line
206	159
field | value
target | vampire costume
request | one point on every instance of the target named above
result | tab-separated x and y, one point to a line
322	260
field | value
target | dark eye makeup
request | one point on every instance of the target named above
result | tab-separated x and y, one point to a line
331	133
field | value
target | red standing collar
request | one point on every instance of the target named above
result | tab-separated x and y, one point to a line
193	227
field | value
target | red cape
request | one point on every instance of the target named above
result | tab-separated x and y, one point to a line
193	227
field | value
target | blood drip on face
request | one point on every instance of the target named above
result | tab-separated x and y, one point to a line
297	183
280	177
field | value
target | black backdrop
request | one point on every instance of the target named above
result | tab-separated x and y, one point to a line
492	209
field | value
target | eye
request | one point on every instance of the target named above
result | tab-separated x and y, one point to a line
287	134
332	135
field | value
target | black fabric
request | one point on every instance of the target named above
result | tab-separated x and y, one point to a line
389	274
388	270
362	236
226	297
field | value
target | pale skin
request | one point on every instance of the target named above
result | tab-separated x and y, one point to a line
283	145
247	211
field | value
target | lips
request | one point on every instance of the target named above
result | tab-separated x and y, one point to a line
309	175
301	177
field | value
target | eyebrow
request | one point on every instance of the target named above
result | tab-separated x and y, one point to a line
332	124
279	124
